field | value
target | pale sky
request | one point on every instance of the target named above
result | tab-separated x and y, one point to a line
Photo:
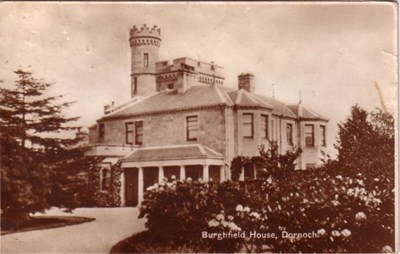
333	52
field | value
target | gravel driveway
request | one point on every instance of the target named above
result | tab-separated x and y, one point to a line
111	226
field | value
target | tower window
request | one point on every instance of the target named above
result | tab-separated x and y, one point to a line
146	59
191	128
289	134
309	134
134	84
248	125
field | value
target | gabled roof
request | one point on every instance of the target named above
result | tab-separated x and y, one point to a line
190	151
201	96
306	114
169	100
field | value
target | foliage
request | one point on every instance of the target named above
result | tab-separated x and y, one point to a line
365	143
177	211
268	162
30	175
103	198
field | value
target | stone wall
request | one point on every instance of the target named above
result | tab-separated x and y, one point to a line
170	129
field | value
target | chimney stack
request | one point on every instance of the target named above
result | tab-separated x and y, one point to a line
246	81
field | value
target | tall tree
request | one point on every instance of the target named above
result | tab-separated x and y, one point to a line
365	143
28	152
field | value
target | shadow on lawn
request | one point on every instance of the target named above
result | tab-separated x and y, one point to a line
42	222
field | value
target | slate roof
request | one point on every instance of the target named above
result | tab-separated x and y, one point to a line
307	114
193	151
206	96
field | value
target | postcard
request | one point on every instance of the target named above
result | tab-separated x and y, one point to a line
201	127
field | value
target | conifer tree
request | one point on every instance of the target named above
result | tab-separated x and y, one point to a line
29	155
365	143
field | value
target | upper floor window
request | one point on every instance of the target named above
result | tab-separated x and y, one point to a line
146	59
323	135
248	125
289	133
129	133
101	132
309	134
264	126
191	128
139	132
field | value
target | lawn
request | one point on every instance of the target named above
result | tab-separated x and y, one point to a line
143	242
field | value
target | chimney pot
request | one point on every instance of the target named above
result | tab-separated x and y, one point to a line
246	81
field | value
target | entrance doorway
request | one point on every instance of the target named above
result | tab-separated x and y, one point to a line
131	186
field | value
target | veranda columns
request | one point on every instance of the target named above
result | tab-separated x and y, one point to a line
182	175
221	174
160	174
241	177
140	185
205	173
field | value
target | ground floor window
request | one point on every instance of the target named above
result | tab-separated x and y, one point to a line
105	178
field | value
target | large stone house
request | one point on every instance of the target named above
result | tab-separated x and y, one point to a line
183	120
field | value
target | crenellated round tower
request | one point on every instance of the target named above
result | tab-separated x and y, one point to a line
145	43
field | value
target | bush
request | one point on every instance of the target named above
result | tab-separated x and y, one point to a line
349	214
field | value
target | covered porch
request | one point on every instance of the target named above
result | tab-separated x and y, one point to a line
147	166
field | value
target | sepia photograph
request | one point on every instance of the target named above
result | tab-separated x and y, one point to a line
199	127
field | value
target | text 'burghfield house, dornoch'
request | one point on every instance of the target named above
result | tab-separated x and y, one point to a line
182	120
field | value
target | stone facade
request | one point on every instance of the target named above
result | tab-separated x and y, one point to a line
187	121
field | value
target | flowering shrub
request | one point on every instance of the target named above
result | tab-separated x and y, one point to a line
347	214
178	211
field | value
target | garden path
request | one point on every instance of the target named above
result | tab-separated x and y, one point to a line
111	226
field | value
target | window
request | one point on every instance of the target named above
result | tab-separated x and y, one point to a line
101	132
129	133
170	86
105	179
146	59
191	128
309	134
323	135
139	133
264	126
249	171
248	125
272	130
134	84
289	133
310	165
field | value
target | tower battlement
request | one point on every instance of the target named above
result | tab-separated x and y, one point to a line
145	31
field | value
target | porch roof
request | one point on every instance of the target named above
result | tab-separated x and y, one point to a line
181	152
